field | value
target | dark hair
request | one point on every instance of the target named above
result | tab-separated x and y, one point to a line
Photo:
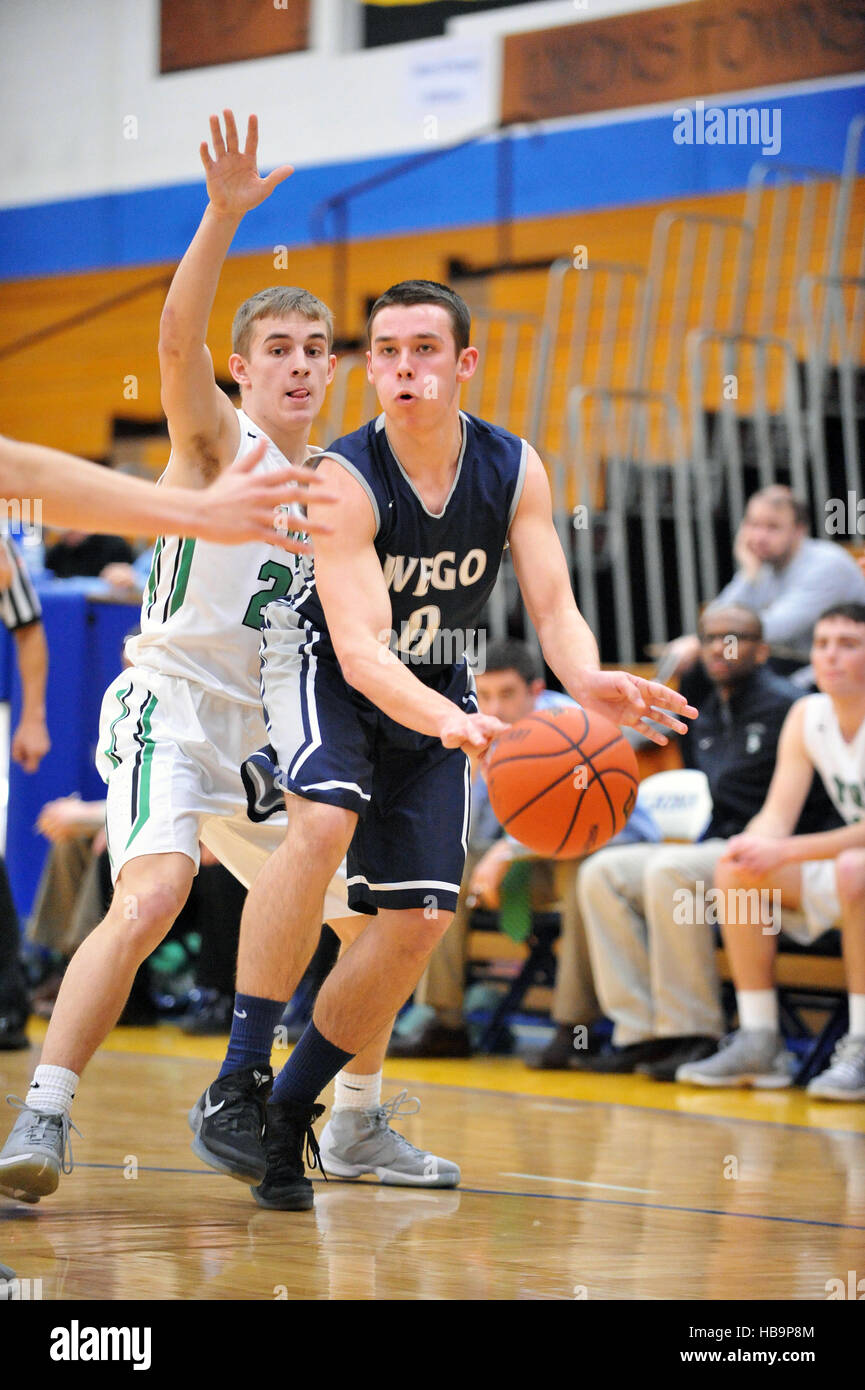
427	292
854	611
508	654
714	608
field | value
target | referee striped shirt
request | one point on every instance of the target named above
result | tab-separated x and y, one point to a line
19	603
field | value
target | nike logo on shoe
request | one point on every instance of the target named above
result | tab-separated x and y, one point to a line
240	1015
208	1108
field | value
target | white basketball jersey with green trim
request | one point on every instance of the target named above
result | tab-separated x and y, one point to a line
841	765
201	610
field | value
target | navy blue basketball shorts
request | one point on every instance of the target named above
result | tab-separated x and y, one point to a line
329	743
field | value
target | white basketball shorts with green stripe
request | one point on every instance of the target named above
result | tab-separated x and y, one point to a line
170	752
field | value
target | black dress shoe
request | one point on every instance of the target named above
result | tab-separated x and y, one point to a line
560	1051
434	1039
13	1027
680	1050
622	1060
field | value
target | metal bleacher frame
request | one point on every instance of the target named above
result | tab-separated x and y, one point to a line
793	331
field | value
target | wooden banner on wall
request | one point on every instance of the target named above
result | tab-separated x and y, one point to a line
199	33
679	51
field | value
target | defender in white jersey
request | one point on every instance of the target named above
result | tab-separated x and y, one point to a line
177	726
804	884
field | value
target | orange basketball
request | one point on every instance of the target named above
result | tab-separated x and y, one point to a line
562	781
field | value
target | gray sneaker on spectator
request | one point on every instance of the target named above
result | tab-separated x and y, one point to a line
844	1078
755	1057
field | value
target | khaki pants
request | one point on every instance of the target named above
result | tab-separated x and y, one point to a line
655	976
69	897
442	984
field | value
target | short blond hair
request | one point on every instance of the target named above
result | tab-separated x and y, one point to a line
273	303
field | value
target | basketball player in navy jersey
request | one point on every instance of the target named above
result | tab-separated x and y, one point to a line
177	724
370	716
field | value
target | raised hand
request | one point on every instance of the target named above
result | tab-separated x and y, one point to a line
242	504
234	185
746	560
629	700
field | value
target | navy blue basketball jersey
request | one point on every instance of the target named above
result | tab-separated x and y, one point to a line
439	568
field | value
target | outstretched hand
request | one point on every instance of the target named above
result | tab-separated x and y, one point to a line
243	505
234	185
629	701
473	733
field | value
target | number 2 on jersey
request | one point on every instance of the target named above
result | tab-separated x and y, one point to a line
281	577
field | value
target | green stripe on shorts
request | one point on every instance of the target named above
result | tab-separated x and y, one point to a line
111	750
148	747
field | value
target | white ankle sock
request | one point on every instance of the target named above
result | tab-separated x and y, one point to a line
758	1008
856	1005
355	1092
51	1090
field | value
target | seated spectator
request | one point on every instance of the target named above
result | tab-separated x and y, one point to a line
655	968
509	688
783	575
129	581
20	611
77	554
70	896
816	881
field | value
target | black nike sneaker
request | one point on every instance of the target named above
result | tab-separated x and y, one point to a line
228	1123
286	1186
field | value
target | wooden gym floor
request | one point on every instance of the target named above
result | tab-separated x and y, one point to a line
572	1187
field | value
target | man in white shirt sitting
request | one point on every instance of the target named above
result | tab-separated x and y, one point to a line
805	883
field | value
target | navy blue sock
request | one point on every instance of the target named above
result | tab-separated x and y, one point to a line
252	1027
313	1063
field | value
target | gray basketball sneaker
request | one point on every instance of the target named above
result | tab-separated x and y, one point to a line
844	1078
37	1151
754	1057
356	1142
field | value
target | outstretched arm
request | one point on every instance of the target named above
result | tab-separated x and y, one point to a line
238	507
201	420
566	640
